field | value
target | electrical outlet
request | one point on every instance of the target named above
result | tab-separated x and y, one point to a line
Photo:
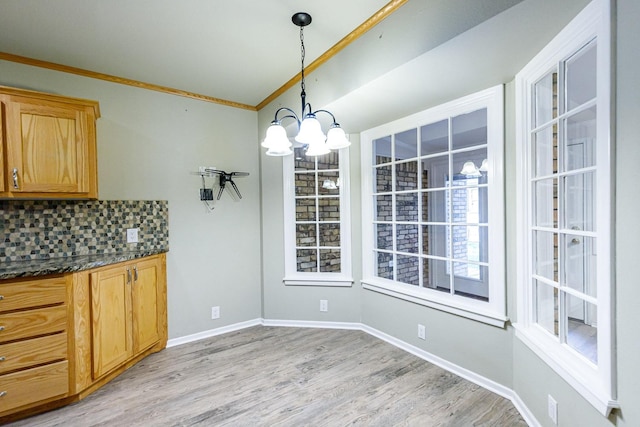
132	235
215	312
324	305
422	332
552	409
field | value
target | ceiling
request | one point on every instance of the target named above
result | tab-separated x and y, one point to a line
241	50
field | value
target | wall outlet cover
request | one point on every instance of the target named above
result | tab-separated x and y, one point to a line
132	235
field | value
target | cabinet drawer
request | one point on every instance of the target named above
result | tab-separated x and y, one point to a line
30	323
32	293
33	385
36	351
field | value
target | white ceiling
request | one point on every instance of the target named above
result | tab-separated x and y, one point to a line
236	50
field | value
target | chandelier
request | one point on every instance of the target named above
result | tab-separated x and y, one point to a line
310	132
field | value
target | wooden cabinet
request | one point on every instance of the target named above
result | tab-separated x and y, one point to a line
49	145
34	356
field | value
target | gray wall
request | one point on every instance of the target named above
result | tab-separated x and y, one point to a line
148	145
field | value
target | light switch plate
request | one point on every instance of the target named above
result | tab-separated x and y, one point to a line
132	235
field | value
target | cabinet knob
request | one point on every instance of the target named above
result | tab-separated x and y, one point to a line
2	358
15	178
1	328
1	297
3	393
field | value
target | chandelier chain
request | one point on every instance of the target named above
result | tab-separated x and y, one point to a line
302	53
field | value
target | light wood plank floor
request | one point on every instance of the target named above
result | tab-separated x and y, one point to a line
270	376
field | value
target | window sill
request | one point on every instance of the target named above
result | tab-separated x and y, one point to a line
426	298
338	282
578	374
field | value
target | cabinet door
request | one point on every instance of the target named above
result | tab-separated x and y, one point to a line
146	325
2	137
111	318
48	148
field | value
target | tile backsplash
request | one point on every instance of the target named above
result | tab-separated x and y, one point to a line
32	230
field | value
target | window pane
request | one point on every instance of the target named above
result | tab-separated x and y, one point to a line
382	150
546	99
582	332
579	150
545	143
469	129
329	234
406	176
407	238
305	184
384	233
546	307
546	203
580	264
384	207
329	209
408	269
306	260
437	277
435	240
406	144
384	265
546	254
580	201
305	209
330	260
407	207
328	183
580	71
434	138
434	207
329	160
435	171
470	243
302	162
471	158
469	204
383	179
306	235
470	280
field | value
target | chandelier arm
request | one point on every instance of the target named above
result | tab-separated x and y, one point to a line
329	113
293	115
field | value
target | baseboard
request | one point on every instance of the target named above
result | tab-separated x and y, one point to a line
468	375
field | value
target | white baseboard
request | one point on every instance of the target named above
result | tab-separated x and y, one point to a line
471	376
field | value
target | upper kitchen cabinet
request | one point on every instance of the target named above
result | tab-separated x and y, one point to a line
48	148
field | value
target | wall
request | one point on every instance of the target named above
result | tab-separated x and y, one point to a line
149	144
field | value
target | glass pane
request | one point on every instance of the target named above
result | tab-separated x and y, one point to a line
434	138
546	99
434	206
305	184
467	165
329	234
328	183
384	265
384	207
546	307
545	144
469	129
582	332
407	238
305	209
406	176
435	276
580	264
546	254
435	240
382	150
408	269
546	203
329	161
330	260
329	208
580	201
301	161
406	144
383	179
470	243
580	72
579	150
468	204
384	233
306	235
407	207
435	171
470	280
306	260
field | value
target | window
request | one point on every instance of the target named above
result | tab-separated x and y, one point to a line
317	226
433	213
565	284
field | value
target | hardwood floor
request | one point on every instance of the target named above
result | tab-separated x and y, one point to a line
276	376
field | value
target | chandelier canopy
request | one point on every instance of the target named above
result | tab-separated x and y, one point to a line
310	132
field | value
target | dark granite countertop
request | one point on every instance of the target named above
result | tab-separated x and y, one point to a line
42	267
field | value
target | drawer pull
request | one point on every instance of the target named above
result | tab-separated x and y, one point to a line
135	273
3	393
15	178
1	297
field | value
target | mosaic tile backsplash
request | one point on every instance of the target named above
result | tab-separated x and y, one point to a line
37	230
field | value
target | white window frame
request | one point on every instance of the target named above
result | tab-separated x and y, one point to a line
492	312
294	277
596	383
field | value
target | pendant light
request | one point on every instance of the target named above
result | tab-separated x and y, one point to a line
310	131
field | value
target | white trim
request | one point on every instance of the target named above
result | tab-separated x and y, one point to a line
343	282
467	374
